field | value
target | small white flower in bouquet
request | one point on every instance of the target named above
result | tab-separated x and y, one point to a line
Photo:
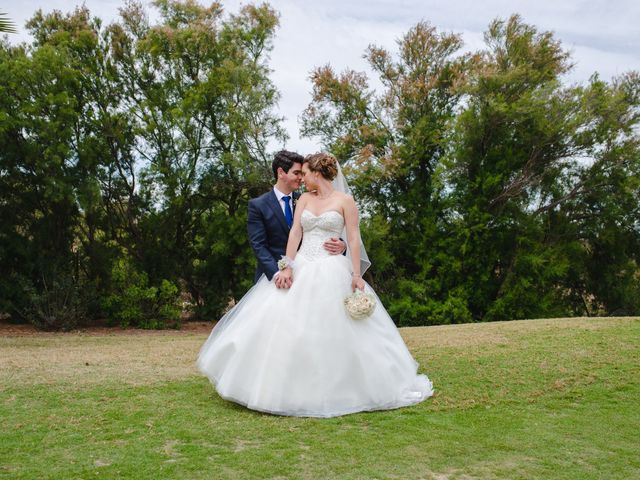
360	305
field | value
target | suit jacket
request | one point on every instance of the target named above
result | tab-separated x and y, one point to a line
268	232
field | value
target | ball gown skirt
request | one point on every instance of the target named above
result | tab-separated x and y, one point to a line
297	352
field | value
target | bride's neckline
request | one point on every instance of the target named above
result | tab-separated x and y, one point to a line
319	215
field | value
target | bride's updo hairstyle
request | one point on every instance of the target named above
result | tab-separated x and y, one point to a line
325	164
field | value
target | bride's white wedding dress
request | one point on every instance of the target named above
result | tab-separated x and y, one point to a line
297	352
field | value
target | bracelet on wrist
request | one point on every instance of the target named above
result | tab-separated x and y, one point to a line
284	263
354	274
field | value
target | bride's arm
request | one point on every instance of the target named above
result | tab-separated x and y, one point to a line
295	235
353	240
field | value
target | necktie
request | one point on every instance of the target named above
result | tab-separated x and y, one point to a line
288	214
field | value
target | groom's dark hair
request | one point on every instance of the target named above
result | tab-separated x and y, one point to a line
284	160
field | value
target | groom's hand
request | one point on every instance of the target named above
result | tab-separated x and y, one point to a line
335	246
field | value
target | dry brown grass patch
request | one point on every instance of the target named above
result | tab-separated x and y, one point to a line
494	333
138	357
86	360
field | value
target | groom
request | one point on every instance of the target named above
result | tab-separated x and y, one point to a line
271	217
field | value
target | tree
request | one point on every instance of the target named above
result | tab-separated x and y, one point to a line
477	165
527	152
134	146
392	143
6	25
198	91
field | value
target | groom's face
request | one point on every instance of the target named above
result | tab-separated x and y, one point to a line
293	177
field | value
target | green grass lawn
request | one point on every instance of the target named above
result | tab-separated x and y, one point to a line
556	398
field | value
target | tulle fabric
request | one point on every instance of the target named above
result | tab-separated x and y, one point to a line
297	352
341	185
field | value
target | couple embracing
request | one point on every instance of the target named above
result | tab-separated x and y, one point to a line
289	347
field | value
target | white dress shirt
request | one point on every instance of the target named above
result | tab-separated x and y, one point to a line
279	194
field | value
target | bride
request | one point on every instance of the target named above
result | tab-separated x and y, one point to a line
296	351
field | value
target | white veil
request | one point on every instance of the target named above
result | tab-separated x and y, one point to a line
340	184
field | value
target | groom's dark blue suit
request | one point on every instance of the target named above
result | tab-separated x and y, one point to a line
268	232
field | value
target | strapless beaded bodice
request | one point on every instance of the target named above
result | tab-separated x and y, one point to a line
316	229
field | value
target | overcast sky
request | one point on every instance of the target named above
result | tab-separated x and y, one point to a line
603	36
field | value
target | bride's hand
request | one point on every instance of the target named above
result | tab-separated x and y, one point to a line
357	282
285	278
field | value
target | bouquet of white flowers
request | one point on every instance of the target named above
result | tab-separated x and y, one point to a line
360	305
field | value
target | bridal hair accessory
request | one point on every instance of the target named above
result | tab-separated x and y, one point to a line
284	262
360	305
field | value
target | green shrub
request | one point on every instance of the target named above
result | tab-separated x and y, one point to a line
416	307
134	303
59	304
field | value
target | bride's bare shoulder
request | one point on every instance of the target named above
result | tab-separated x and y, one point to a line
345	198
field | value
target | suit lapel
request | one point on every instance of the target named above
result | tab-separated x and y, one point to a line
275	206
